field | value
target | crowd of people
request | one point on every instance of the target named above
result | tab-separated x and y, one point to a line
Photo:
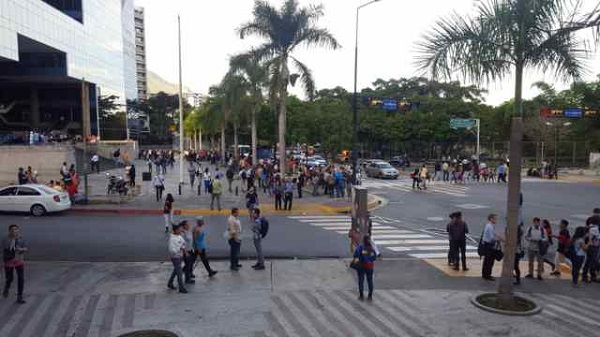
67	181
459	172
578	249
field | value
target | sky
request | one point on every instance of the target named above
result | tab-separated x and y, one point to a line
388	33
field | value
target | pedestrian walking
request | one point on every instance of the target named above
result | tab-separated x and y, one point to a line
216	189
550	255
229	175
278	193
301	180
260	228
457	231
206	179
423	174
168	211
489	239
189	257
95	163
14	249
251	201
536	238
192	174
132	176
288	195
177	253
200	245
159	185
364	262
234	237
578	253
415	179
564	240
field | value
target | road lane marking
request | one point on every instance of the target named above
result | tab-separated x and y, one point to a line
410	242
438	255
401	236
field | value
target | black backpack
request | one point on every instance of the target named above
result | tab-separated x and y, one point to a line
264	227
210	187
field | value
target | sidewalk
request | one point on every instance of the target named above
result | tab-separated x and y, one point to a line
190	203
290	298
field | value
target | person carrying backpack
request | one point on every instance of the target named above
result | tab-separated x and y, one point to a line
536	238
260	228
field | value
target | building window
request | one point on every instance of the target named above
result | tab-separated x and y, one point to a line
72	8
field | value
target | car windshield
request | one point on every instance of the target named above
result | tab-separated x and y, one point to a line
384	165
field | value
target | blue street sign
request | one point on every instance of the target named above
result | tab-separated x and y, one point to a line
573	112
389	105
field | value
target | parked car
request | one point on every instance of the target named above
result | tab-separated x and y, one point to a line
366	162
36	199
315	160
381	169
400	161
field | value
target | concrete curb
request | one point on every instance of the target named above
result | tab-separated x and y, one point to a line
532	312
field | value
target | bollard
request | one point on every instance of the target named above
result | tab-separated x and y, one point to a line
179	188
199	189
236	191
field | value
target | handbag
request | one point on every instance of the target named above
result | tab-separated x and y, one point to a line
498	254
356	265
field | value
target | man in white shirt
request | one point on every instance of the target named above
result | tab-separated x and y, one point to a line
234	229
489	239
176	252
535	234
95	163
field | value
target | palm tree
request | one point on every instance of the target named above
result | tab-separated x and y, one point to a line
217	113
256	77
234	88
507	36
285	30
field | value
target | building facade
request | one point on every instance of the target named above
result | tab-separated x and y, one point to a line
140	54
58	56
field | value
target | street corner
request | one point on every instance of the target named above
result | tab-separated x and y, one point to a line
475	265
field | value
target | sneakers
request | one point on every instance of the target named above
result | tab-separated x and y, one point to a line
183	291
170	286
529	276
20	300
259	267
370	297
361	297
555	273
212	273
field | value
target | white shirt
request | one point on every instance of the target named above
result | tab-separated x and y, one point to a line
489	235
176	244
95	158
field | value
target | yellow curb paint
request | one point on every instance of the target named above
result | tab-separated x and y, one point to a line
475	265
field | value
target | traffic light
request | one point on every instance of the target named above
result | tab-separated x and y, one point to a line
591	113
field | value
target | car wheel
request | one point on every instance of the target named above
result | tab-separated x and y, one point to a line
38	210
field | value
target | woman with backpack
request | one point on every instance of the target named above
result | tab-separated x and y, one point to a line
578	252
363	262
168	211
206	178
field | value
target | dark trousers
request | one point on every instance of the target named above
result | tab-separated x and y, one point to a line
234	253
576	263
300	191
159	191
458	247
362	272
591	263
9	275
277	201
188	267
95	165
204	259
446	176
177	272
287	201
488	260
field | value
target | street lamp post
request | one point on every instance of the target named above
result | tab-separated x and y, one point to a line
180	109
558	125
355	100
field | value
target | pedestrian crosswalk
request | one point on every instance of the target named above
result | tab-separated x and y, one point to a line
414	243
396	312
438	187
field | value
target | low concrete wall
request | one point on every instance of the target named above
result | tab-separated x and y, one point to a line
594	160
46	160
129	149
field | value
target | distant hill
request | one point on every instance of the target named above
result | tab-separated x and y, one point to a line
157	84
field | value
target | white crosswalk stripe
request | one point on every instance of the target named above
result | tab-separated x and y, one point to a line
414	243
437	187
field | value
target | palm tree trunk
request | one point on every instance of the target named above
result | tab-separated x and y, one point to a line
254	151
236	151
222	141
505	286
282	115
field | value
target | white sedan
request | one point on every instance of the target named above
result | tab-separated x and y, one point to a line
33	198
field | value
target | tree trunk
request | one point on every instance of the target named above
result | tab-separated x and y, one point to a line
505	286
254	151
282	115
236	151
222	141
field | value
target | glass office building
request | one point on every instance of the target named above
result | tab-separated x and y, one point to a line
57	56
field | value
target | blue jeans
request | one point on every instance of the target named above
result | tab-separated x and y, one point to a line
577	262
362	272
176	272
234	254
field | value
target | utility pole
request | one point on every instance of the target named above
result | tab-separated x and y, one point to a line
180	109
